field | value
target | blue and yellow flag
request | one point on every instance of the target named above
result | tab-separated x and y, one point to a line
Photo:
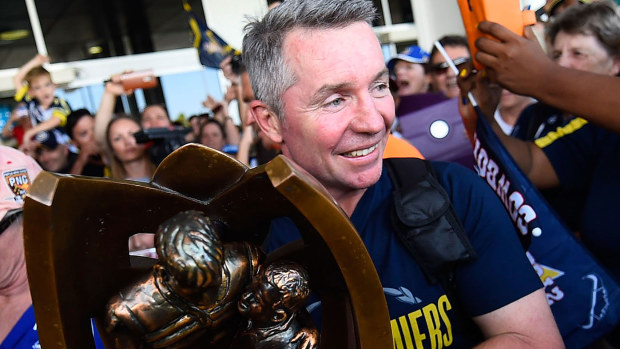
211	48
584	298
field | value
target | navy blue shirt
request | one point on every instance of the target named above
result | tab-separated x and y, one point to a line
421	313
587	157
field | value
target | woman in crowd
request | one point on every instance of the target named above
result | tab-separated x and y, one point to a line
80	127
115	134
213	135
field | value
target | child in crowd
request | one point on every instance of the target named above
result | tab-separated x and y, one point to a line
34	87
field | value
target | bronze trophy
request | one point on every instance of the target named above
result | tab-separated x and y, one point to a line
76	232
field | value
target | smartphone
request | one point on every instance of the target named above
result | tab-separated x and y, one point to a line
139	79
505	12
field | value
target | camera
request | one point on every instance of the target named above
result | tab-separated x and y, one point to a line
165	140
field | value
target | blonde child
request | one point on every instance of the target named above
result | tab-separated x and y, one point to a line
34	87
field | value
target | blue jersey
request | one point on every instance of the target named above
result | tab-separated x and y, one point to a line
421	314
586	158
24	334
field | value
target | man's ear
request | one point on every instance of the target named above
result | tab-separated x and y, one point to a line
267	120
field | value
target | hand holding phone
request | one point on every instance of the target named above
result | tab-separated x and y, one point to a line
505	12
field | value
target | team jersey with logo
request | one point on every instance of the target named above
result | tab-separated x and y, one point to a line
59	108
421	314
586	157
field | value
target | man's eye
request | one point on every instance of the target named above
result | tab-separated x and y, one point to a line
381	89
336	102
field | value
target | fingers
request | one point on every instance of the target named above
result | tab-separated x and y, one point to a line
489	46
528	33
486	59
497	30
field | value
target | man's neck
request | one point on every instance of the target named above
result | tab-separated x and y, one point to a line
348	201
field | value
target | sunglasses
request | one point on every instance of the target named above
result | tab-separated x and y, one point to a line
9	218
442	68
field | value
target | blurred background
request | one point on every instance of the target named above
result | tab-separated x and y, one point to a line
89	40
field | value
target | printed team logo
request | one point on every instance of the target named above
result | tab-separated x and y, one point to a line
600	301
402	294
19	182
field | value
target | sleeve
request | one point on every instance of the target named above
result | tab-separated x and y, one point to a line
573	151
21	94
60	110
502	271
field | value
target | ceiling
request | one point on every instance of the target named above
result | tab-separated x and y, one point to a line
70	27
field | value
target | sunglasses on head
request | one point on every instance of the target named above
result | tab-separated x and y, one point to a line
442	68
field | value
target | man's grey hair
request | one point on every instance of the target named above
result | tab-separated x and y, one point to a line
598	19
262	44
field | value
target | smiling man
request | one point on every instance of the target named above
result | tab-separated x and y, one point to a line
321	85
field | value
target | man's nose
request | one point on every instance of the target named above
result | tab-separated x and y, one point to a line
367	118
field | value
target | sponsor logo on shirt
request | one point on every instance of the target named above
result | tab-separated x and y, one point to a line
406	329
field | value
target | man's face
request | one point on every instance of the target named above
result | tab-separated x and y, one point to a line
583	52
42	89
444	80
155	116
52	160
410	78
339	112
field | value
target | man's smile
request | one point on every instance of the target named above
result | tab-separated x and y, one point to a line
361	152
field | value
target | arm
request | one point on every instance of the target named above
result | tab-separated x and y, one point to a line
517	326
529	157
18	79
220	109
48	124
520	65
113	89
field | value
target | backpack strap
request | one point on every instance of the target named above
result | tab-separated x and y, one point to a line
424	219
427	225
